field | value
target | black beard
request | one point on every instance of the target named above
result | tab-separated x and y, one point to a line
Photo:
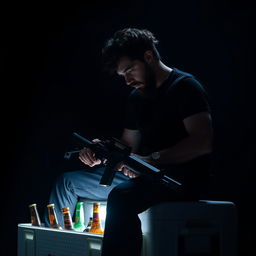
150	83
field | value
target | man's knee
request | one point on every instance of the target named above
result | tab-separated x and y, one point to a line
65	180
119	199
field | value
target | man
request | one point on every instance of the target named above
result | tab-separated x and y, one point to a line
167	124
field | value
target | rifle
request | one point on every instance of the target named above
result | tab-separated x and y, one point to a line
113	152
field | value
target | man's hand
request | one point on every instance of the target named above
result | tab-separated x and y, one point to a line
126	171
88	157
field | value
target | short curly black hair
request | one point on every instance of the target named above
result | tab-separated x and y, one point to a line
128	42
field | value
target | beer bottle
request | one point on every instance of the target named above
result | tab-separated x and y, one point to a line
79	217
35	219
68	224
89	225
53	217
96	225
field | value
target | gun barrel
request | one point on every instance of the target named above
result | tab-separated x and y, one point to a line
84	140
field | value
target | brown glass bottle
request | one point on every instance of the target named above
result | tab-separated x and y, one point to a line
96	225
53	217
35	219
68	224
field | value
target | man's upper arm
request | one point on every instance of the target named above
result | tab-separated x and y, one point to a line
132	138
200	125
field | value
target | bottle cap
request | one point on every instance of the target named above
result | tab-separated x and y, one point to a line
31	205
50	205
64	209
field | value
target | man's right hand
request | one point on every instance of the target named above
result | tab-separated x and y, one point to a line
88	157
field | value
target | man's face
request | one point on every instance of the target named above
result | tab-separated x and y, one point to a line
136	73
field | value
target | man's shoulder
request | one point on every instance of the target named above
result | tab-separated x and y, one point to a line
181	80
180	73
179	76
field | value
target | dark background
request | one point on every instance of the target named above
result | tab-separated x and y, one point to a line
52	85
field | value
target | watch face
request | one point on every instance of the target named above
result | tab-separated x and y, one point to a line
155	155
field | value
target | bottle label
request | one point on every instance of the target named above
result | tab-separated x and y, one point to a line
96	217
67	221
34	221
52	219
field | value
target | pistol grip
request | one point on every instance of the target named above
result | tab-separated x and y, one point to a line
108	175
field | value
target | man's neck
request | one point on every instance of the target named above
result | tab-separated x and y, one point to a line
162	72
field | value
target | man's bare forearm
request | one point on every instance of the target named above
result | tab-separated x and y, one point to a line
185	150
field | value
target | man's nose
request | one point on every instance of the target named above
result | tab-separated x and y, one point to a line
128	79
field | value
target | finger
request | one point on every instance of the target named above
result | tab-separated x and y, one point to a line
94	157
85	161
125	171
83	156
131	174
96	162
135	175
89	155
120	167
83	153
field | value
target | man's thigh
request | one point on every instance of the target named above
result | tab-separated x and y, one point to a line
141	193
85	183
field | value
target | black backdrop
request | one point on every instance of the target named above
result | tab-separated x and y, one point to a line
52	86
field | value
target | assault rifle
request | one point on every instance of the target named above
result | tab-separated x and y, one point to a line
113	152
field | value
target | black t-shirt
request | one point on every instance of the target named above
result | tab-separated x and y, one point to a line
160	118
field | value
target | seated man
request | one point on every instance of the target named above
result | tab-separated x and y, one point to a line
167	124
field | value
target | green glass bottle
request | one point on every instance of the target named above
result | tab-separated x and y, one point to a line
79	217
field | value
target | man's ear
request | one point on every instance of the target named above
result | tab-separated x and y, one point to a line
148	56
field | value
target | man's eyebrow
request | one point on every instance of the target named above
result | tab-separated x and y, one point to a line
128	67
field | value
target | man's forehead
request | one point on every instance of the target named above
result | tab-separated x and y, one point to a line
122	64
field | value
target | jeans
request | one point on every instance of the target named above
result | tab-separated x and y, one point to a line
126	198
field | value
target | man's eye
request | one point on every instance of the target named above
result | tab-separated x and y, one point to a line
129	70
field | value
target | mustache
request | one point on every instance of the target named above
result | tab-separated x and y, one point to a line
135	84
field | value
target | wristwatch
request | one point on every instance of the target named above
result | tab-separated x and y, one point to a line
155	155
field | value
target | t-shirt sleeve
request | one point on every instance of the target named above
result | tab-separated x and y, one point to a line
130	120
193	98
